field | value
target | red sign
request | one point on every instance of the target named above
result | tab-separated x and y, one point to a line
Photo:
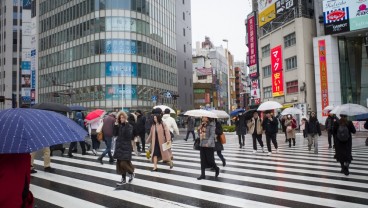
276	59
277	84
207	98
336	15
252	45
323	75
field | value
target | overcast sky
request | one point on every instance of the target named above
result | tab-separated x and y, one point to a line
221	19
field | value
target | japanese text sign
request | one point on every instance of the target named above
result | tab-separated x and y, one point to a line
277	84
276	59
323	75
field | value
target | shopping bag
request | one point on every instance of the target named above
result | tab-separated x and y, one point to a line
166	145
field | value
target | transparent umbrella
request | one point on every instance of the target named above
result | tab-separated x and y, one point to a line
350	109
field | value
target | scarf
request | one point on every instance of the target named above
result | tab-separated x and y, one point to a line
202	131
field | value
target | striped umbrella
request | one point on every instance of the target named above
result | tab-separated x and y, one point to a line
26	130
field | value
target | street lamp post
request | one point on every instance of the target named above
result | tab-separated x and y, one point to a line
228	77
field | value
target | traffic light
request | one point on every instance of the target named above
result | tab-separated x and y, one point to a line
321	19
2	99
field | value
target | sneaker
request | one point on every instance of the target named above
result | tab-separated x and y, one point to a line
201	177
131	177
254	151
122	182
277	150
269	154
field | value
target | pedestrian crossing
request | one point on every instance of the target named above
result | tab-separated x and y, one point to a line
294	177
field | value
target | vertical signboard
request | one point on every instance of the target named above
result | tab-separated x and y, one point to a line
323	75
277	73
252	45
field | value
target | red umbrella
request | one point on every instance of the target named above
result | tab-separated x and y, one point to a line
94	115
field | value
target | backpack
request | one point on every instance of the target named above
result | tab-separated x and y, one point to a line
343	133
293	124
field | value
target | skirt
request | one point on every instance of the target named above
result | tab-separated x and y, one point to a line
207	157
124	166
157	150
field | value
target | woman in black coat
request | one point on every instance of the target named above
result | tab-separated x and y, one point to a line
241	129
218	146
123	148
343	148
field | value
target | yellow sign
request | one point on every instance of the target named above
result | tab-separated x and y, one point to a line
267	15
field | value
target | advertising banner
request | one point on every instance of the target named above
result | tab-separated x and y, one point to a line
120	24
121	69
276	59
255	93
283	6
358	14
267	15
252	45
323	75
264	4
117	92
277	84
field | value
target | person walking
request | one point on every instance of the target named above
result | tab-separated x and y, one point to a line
329	124
302	127
170	123
290	124
79	120
190	128
92	130
343	146
218	145
282	121
108	132
141	131
313	130
123	148
255	129
270	126
241	129
207	134
159	134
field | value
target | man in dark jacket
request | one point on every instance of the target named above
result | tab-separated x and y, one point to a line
108	130
241	129
270	126
79	120
313	129
329	124
141	129
190	127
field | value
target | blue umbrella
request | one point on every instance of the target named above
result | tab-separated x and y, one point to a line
236	112
361	117
77	108
26	130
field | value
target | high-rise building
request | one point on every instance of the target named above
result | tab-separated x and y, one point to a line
108	54
184	54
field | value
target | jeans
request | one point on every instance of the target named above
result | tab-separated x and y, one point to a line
257	137
219	154
241	137
188	132
269	138
74	144
108	141
313	138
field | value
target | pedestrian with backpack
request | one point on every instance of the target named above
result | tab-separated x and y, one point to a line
343	129
313	130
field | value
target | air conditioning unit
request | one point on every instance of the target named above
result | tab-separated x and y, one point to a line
295	99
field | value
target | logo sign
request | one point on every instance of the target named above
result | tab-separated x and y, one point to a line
336	15
323	74
276	59
358	15
277	84
154	98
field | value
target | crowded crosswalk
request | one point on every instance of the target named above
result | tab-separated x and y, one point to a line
294	177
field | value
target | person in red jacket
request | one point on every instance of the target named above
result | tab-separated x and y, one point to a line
15	177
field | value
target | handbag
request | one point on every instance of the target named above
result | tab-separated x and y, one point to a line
196	144
100	136
222	138
218	146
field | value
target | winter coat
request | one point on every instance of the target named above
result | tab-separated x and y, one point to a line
218	132
312	127
108	126
141	123
123	145
148	124
170	123
190	124
291	134
209	140
283	124
163	134
329	124
241	125
343	149
252	123
270	126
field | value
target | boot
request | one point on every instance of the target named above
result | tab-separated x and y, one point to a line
243	142
123	180
289	142
217	171
202	176
224	163
131	177
100	160
294	142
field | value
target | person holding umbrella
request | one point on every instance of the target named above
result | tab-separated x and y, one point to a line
313	129
241	129
255	129
108	130
270	126
290	124
329	124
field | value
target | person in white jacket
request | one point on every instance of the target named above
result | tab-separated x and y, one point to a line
92	130
170	123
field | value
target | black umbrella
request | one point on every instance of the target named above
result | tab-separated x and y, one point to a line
77	108
57	107
249	114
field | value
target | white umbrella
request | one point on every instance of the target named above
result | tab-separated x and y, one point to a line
349	109
292	111
163	107
200	113
328	108
269	105
220	113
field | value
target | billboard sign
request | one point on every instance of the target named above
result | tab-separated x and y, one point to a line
283	6
267	15
264	4
277	84
276	59
323	75
252	45
358	14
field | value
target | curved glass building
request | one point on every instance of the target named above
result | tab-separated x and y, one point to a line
108	54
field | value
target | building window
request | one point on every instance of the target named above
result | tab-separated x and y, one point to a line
183	15
291	63
185	48
183	1
292	87
202	77
183	31
267	92
266	71
289	40
266	51
185	64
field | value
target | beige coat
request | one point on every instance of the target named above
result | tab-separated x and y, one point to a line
251	124
291	134
166	155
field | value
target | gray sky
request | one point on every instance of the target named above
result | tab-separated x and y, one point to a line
221	19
